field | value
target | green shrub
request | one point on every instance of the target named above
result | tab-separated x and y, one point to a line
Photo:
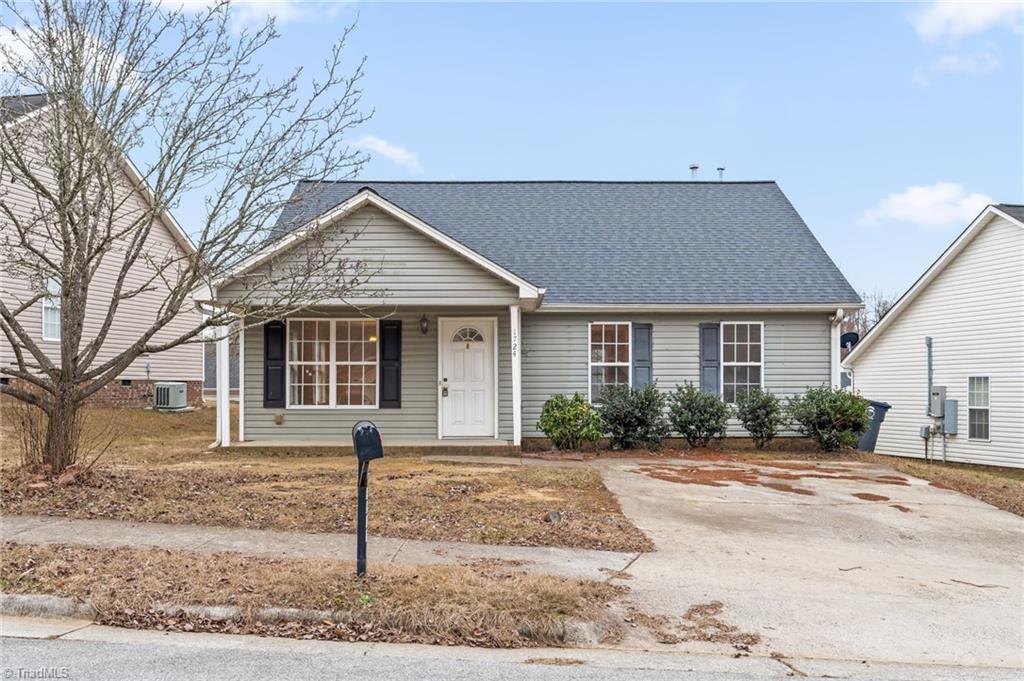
698	416
760	412
634	418
570	422
833	418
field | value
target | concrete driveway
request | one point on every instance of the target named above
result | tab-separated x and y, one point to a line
905	573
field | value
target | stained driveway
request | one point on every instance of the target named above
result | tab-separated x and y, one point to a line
921	574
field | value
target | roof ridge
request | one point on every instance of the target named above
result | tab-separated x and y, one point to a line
367	182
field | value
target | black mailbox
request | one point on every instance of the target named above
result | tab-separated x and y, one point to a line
366	441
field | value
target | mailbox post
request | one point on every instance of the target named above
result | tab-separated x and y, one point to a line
367	445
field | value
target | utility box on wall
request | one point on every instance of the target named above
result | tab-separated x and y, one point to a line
949	417
937	401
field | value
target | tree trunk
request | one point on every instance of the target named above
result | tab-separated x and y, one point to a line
62	433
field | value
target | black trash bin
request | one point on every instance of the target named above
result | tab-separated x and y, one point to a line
877	411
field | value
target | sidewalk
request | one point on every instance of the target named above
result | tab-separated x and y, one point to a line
336	546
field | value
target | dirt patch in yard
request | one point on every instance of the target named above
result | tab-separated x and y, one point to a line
900	507
494	606
408	498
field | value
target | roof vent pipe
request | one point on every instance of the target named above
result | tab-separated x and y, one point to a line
693	171
721	172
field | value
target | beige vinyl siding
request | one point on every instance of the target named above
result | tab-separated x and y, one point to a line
974	311
134	316
555	347
408	267
416	420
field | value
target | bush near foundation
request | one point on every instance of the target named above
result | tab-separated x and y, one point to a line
570	422
833	418
697	416
760	412
634	418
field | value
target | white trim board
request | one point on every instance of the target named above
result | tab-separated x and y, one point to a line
936	268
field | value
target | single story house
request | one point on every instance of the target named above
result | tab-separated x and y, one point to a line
970	303
498	295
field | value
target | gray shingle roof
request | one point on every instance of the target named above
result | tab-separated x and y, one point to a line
19	105
1014	210
621	242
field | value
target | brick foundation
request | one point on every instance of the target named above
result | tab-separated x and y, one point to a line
138	394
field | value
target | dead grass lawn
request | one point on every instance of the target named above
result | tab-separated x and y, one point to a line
409	498
492	605
160	471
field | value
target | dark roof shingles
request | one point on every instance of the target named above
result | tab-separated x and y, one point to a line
18	105
1014	210
621	242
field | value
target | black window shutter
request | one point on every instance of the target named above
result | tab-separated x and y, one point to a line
391	364
709	360
643	355
273	364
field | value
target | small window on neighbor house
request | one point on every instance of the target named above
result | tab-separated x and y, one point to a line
51	310
978	390
742	359
610	355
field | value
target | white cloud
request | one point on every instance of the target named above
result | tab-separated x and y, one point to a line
953	20
247	13
394	153
979	63
936	206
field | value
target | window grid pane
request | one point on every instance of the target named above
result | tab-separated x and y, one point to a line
978	402
609	357
742	355
356	360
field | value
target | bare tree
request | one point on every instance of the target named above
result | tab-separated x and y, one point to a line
876	304
185	92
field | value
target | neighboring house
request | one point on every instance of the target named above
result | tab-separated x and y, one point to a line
971	303
134	387
502	294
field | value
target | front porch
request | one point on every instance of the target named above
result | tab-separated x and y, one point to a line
431	378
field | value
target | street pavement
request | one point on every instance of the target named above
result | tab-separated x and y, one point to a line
79	650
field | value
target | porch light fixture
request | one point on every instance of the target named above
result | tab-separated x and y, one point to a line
424	325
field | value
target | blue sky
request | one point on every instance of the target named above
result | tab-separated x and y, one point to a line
887	125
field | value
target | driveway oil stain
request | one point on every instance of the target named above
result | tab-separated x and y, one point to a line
868	496
900	508
769	474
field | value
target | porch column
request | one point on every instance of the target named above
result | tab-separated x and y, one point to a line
223	386
241	379
517	375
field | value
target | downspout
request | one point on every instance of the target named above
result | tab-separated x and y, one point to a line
928	400
837	321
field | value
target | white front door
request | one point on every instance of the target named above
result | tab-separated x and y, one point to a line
467	395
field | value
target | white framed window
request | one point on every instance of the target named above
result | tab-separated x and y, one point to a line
978	394
51	310
611	356
742	359
332	363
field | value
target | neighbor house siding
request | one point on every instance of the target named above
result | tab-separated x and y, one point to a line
134	316
555	348
974	312
416	420
404	267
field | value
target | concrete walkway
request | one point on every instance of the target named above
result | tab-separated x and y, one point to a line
335	546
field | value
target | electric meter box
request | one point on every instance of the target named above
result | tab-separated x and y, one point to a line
937	401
